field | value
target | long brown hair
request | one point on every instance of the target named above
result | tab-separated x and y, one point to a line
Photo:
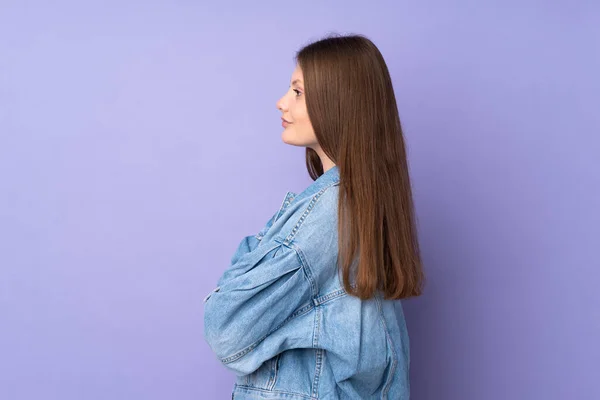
351	105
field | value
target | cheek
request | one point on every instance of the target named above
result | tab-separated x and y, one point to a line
301	115
305	122
302	126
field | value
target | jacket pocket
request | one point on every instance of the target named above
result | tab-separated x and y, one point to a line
265	376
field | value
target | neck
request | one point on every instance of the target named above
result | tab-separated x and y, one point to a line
326	161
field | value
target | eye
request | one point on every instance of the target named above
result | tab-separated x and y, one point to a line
298	93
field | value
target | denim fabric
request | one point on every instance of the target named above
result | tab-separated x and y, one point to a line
280	319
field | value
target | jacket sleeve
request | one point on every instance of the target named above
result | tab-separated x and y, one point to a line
247	245
267	287
250	242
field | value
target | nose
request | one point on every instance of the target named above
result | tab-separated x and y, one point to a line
281	104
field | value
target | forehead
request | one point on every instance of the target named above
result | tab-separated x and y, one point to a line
297	74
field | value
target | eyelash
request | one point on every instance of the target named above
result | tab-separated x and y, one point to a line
298	93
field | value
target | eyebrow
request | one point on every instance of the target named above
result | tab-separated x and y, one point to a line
295	81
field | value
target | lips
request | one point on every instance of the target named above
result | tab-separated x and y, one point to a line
285	120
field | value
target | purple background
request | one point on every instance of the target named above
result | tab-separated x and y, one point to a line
139	141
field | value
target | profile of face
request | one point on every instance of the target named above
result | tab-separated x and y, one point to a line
298	130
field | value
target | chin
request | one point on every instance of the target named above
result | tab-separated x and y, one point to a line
291	143
292	139
288	138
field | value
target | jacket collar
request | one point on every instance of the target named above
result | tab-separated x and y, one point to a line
330	177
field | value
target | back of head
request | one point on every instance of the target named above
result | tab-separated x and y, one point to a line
352	107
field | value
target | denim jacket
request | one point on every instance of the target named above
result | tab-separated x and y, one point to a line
280	318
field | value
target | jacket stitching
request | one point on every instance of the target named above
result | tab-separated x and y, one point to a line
284	204
274	369
309	208
307	269
329	297
388	383
319	358
286	393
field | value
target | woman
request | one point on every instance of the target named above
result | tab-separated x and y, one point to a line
306	309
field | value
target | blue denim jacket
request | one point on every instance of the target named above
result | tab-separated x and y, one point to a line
281	320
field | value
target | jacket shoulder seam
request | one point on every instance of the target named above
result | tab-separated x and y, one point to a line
290	237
